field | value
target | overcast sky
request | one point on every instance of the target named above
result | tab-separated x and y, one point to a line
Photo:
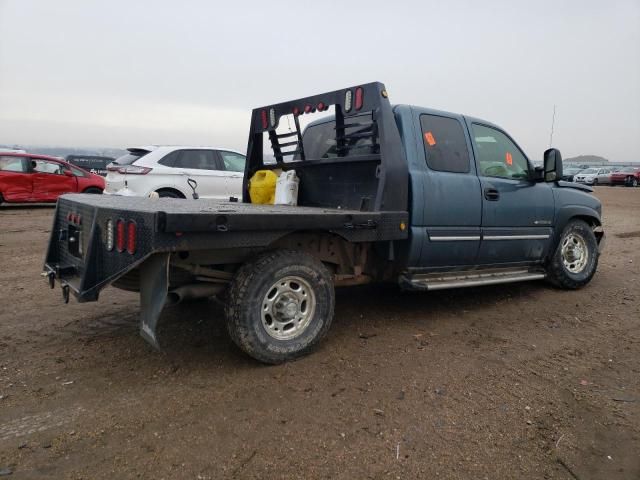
121	73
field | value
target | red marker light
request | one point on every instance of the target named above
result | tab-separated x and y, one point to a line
79	220
131	237
263	117
307	108
296	111
120	235
321	106
359	98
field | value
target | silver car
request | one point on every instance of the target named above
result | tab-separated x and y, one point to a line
590	176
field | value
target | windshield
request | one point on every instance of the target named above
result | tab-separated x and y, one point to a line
131	157
630	169
590	171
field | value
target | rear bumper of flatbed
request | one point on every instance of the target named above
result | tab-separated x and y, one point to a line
78	257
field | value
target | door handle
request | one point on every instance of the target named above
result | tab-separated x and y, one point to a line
491	194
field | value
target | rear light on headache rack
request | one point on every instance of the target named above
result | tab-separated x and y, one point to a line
359	98
123	237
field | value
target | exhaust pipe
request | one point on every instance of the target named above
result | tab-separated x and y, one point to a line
193	291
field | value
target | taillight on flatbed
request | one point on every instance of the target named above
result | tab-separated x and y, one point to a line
131	237
109	235
120	235
124	236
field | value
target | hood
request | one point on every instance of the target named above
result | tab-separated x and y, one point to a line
577	186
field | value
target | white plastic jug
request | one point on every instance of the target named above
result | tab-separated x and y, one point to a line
287	188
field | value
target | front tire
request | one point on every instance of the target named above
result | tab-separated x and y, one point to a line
280	306
576	257
93	190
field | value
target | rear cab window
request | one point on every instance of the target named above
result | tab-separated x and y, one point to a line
445	144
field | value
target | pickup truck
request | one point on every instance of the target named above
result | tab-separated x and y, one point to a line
423	198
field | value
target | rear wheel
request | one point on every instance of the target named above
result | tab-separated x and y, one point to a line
576	257
94	190
280	306
634	182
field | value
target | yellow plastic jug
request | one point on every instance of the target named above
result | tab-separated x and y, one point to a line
262	187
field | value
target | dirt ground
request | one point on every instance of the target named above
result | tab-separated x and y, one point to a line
504	382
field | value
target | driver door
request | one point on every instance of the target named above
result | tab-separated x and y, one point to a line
517	212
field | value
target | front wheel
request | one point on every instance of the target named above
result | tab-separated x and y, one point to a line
634	182
93	190
280	306
576	257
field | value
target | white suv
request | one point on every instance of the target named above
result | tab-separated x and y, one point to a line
167	169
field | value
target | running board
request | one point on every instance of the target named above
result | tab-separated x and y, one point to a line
441	281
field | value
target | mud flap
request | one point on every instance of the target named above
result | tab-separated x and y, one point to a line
154	284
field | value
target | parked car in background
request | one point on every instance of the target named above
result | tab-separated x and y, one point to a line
629	176
604	177
590	175
166	170
570	172
94	163
40	178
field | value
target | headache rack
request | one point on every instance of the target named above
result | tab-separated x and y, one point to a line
374	181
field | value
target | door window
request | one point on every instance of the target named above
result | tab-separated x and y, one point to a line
233	162
498	156
197	159
445	144
44	166
12	164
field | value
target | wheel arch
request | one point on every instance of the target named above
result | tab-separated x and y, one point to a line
577	212
172	189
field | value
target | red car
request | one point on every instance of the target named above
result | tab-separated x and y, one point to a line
629	176
39	178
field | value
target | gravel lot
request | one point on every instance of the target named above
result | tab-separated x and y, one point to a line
515	381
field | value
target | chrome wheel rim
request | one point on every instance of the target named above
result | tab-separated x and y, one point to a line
288	307
575	253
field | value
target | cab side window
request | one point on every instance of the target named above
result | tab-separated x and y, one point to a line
445	144
198	159
44	166
233	162
12	164
498	156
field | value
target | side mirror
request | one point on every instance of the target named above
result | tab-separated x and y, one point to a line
552	165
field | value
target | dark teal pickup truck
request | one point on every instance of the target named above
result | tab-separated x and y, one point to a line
424	198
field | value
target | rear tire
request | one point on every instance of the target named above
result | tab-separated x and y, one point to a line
634	182
169	194
595	182
576	257
280	306
93	190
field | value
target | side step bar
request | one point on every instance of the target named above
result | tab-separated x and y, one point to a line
440	281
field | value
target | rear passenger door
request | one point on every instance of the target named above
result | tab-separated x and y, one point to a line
451	197
204	167
517	212
15	181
